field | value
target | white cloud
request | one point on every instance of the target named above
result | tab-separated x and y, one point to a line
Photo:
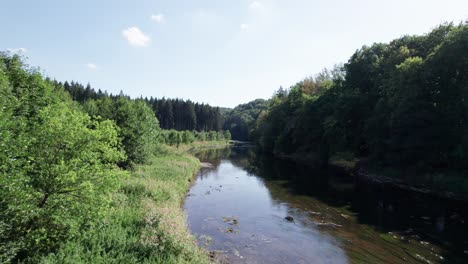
244	26
18	50
159	18
136	37
91	66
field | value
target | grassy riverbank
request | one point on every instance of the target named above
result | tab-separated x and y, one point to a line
146	223
198	145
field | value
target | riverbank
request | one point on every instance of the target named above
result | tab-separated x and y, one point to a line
200	145
146	223
448	185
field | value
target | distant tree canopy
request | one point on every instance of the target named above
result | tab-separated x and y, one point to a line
240	121
186	115
175	114
403	104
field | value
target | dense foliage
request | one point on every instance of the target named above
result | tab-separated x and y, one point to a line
175	114
186	115
145	223
57	165
60	158
138	127
139	120
402	104
241	120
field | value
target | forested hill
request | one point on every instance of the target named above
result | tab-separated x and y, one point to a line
403	105
180	114
176	114
240	120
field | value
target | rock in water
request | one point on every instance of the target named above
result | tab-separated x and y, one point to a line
289	218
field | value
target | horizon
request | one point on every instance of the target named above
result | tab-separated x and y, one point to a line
203	51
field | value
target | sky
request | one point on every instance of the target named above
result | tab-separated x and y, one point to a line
221	52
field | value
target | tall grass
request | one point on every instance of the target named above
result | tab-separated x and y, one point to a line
146	223
199	145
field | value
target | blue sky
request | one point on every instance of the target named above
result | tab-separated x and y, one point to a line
222	52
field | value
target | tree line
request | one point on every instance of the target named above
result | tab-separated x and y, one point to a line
240	121
175	138
181	115
175	114
402	105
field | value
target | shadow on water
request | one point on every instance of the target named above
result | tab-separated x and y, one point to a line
374	223
408	214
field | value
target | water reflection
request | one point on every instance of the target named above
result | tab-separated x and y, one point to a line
238	208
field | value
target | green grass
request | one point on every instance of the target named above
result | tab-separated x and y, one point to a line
146	223
197	145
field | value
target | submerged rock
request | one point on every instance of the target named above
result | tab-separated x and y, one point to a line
232	220
218	256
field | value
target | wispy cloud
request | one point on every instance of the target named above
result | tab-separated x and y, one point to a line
159	18
91	66
136	37
18	50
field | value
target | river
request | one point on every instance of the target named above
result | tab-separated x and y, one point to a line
251	208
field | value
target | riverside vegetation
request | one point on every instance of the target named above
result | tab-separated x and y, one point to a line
401	108
85	175
145	223
95	181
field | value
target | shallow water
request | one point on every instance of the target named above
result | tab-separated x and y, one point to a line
238	207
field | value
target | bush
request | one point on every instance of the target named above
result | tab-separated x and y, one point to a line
57	169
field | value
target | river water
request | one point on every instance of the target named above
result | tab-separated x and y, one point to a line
237	209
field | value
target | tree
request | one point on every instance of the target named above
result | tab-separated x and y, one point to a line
72	168
174	138
58	166
187	137
138	128
227	135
